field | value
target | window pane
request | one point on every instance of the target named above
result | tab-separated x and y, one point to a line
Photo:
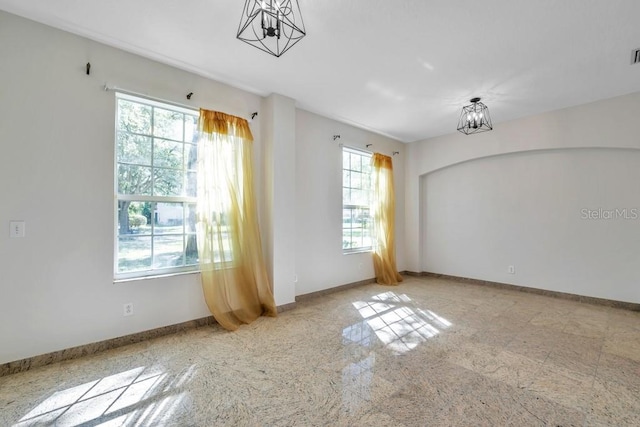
346	178
134	148
192	184
346	196
345	160
366	239
134	180
356	180
347	219
191	218
357	198
346	239
167	182
134	253
366	181
167	251
356	163
364	218
167	153
137	219
355	238
168	124
190	128
191	155
169	218
191	250
134	117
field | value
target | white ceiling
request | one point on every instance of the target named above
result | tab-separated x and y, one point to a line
401	68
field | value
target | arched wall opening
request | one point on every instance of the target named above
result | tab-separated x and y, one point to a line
567	220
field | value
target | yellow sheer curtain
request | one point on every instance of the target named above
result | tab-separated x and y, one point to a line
383	208
234	277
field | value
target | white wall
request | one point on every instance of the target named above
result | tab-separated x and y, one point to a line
280	147
515	196
320	262
56	173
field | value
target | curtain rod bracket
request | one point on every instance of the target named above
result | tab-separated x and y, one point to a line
189	95
395	152
254	115
369	145
336	137
88	68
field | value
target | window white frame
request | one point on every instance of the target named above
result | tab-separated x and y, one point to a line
184	199
356	201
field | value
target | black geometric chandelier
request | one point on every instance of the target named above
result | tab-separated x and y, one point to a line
474	118
271	25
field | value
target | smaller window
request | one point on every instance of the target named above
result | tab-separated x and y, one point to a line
356	199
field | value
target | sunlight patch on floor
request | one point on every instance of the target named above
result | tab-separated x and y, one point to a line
395	321
137	396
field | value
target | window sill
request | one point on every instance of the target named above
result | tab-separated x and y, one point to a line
358	251
155	276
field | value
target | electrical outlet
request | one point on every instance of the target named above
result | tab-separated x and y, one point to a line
511	269
127	309
16	229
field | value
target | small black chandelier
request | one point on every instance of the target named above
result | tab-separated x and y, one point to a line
474	118
273	26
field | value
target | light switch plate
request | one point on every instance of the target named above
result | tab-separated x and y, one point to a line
16	229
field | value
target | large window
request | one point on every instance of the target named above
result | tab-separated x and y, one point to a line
156	157
356	198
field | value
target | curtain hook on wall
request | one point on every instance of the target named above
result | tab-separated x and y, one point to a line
336	137
189	95
395	152
88	68
253	115
369	145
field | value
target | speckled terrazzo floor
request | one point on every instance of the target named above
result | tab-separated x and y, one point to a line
429	352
